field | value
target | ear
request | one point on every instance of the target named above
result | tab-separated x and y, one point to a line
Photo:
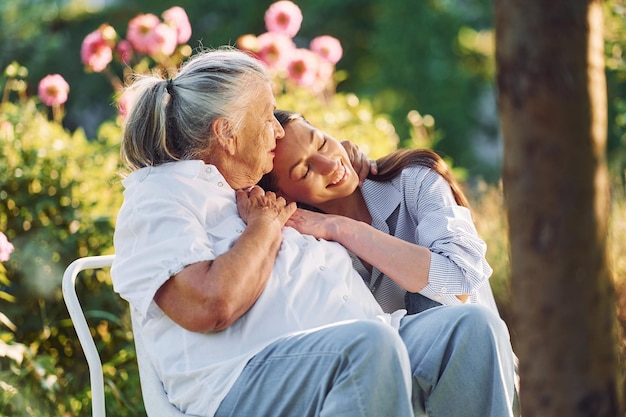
224	135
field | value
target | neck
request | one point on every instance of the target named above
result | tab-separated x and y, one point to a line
235	175
352	206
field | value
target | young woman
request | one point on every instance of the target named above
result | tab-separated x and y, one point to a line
409	226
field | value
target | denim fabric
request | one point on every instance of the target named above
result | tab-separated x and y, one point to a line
333	371
460	360
416	302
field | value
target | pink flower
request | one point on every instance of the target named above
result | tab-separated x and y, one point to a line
283	17
53	90
95	51
125	101
124	51
325	71
140	33
303	66
275	49
6	248
148	35
328	48
165	39
177	18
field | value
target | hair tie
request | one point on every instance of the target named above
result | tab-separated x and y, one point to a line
170	86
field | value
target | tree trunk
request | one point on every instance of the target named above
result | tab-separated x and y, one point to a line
552	100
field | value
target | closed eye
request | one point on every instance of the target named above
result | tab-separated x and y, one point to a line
308	168
321	147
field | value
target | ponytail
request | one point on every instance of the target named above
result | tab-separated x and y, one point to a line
171	119
145	133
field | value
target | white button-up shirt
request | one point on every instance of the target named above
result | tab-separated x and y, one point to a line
185	212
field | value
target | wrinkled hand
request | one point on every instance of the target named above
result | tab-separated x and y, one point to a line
255	204
360	162
312	223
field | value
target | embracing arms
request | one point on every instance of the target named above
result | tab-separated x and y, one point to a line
210	296
404	262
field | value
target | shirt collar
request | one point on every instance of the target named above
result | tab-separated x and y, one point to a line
382	198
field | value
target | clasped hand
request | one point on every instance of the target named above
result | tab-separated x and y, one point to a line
255	204
312	223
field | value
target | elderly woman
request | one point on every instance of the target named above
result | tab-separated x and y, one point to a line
243	316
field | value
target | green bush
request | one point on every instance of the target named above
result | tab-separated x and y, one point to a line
59	195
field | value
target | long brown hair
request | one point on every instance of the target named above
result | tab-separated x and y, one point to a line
389	166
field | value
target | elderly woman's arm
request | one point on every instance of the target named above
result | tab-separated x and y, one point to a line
210	296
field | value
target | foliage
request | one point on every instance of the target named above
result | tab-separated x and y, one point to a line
59	184
344	116
617	260
489	214
59	194
433	56
425	56
615	50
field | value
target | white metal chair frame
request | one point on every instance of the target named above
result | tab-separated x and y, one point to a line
154	397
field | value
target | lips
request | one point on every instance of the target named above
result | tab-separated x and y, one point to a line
339	176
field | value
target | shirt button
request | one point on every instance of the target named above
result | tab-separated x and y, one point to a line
322	268
305	244
239	231
208	169
345	298
444	290
220	184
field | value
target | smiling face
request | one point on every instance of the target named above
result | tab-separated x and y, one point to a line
311	167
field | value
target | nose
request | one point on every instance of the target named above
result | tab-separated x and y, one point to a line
279	132
324	164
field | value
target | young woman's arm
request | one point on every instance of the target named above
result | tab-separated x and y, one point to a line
443	256
404	262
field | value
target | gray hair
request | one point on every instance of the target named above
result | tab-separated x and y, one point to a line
171	120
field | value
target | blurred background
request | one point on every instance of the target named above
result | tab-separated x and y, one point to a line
412	74
435	56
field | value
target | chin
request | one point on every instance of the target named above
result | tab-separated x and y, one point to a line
352	186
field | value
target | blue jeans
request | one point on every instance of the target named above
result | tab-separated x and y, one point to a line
459	363
416	302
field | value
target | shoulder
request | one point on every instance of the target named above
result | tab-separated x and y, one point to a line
174	180
417	182
416	177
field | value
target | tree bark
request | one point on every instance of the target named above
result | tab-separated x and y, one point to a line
553	109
